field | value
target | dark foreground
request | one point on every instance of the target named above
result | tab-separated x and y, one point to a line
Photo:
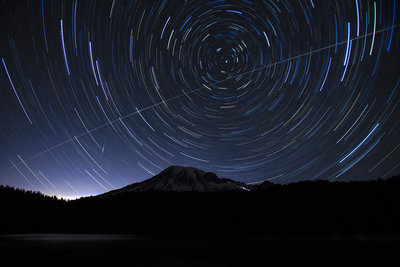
120	250
308	208
304	224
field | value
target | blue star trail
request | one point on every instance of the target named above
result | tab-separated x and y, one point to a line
96	95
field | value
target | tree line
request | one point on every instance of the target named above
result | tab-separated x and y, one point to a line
311	207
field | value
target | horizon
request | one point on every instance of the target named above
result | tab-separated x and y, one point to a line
99	95
74	197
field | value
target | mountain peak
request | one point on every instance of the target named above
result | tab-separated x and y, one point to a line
189	171
179	179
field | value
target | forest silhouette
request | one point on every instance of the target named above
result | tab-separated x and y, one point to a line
309	207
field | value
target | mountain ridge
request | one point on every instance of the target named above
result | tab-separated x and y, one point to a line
185	179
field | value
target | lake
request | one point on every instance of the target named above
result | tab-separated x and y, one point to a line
197	250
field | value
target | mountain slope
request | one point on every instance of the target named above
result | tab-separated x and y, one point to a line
179	179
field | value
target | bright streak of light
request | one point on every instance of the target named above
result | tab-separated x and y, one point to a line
63	46
373	35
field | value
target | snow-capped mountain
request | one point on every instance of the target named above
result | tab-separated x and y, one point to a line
179	179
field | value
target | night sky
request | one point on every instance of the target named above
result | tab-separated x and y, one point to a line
95	95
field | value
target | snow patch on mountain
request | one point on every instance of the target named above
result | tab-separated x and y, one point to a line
184	179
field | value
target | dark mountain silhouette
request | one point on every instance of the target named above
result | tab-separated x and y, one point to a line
261	186
181	179
187	200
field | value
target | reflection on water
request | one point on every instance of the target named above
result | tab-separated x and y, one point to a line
69	237
115	237
130	250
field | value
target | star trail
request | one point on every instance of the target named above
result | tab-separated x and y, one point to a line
96	95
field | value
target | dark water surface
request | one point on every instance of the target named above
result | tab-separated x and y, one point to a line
124	250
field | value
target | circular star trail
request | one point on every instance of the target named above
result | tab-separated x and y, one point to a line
96	95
